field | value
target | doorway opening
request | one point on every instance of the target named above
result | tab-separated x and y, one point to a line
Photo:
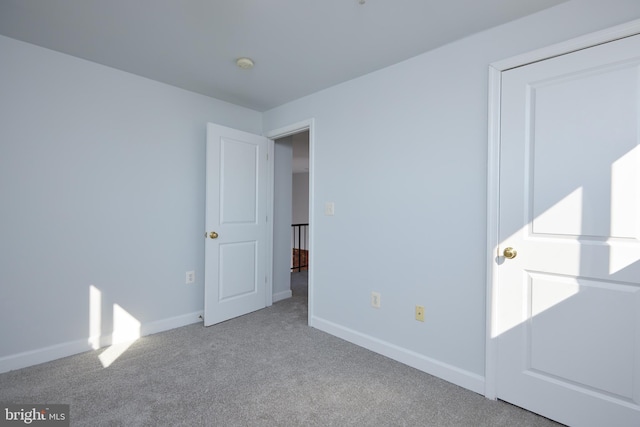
300	215
283	178
291	233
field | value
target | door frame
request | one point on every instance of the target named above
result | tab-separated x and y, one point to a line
493	170
304	125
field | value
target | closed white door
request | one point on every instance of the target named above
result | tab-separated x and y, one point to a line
567	320
236	224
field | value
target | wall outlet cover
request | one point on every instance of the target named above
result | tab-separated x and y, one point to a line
375	299
191	277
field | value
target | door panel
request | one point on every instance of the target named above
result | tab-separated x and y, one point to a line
597	337
565	121
238	182
237	282
236	209
568	304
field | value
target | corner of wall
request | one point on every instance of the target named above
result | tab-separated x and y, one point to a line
452	374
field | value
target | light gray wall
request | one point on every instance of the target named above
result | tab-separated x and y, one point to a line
300	210
403	154
102	178
282	218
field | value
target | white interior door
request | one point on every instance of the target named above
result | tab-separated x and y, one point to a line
236	250
567	317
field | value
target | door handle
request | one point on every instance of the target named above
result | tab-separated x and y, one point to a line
510	253
213	235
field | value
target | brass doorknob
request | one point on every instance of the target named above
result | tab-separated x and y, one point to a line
213	235
509	253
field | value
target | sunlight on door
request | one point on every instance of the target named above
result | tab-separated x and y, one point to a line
569	300
566	310
625	210
563	218
551	292
620	237
126	329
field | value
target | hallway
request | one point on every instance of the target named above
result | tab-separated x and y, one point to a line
300	283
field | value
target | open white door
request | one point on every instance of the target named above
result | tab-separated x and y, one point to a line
236	250
567	314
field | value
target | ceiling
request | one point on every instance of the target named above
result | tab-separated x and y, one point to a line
299	46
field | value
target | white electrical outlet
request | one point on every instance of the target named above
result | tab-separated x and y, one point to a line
375	299
191	277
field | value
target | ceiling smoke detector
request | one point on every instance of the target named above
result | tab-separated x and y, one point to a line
244	63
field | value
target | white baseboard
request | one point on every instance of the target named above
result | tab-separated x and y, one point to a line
41	355
171	323
468	380
282	295
461	377
47	354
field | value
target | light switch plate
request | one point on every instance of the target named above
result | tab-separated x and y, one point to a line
329	208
